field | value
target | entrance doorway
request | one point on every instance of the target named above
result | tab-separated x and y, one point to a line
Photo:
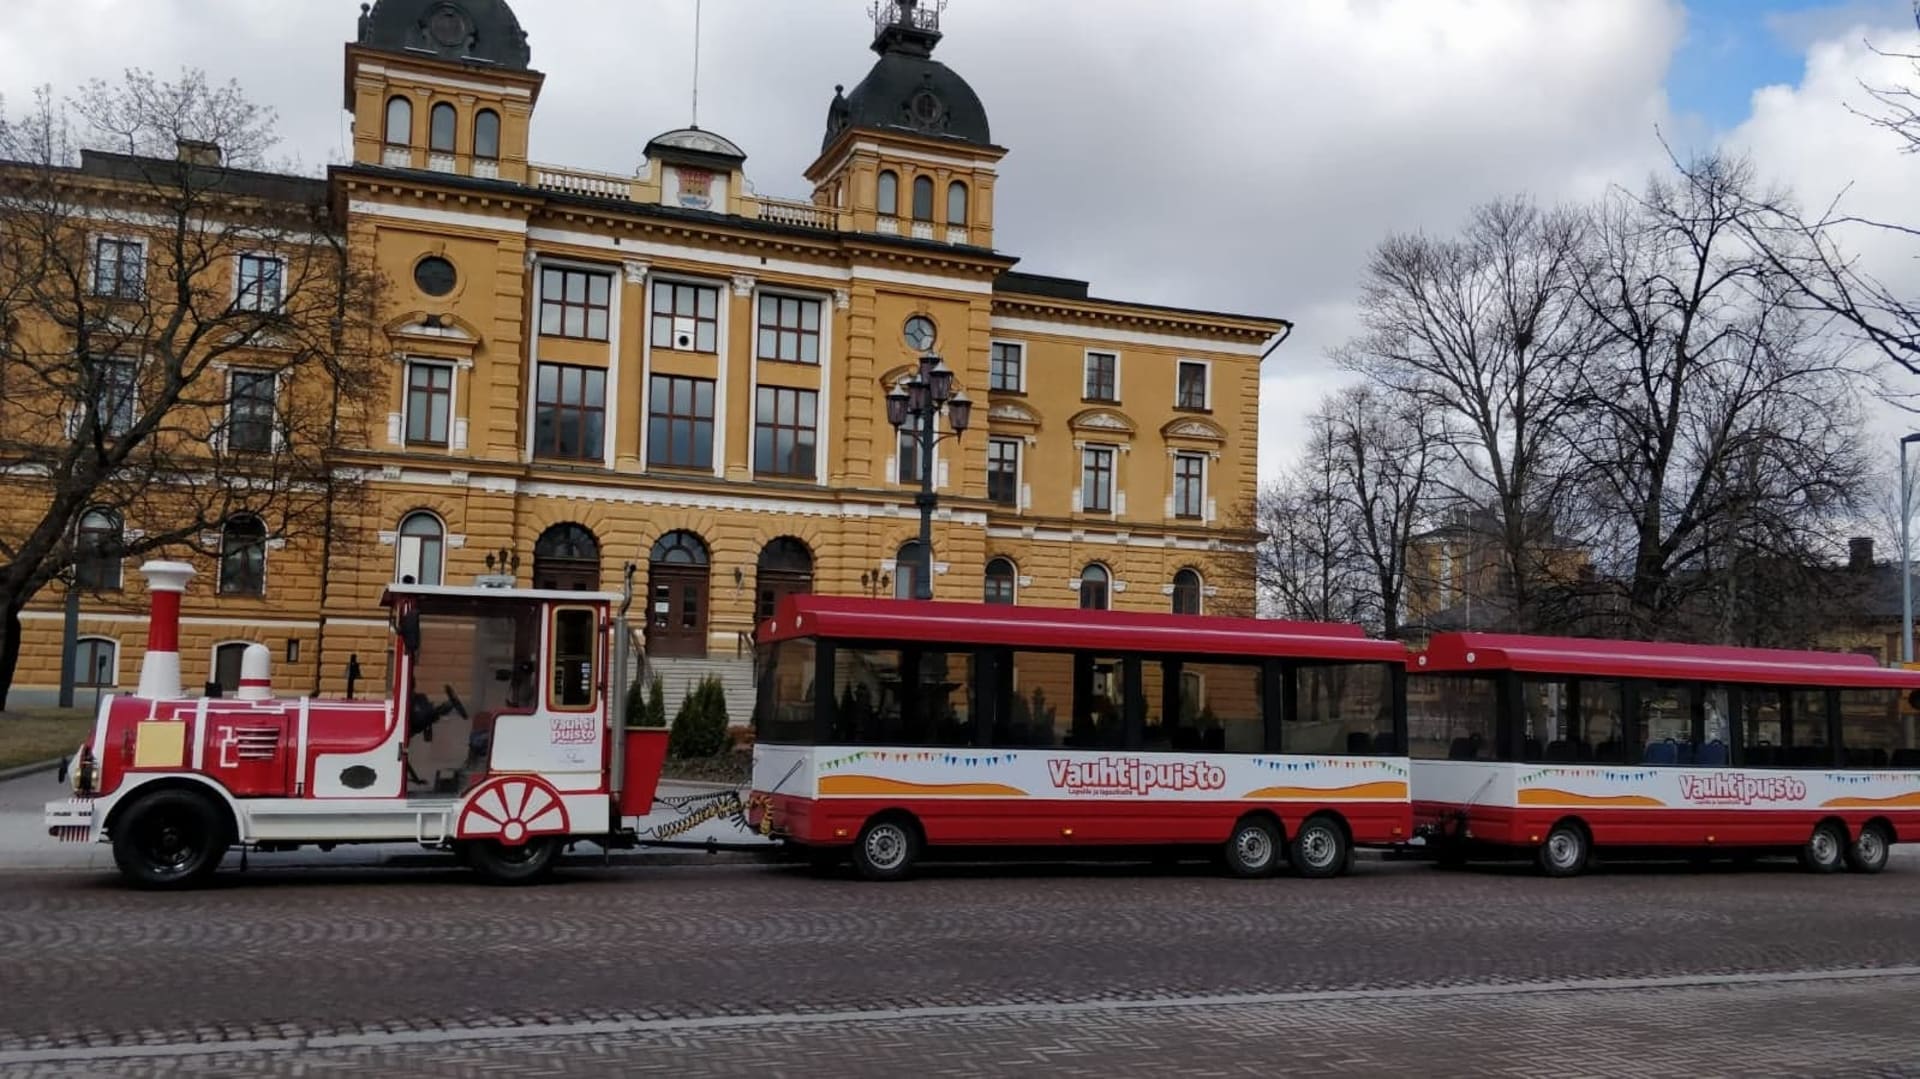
677	573
785	569
567	558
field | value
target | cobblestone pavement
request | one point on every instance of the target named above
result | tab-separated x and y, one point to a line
773	971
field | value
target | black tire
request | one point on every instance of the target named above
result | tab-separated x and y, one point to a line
1825	850
527	863
1869	853
1320	849
1253	849
171	839
1566	851
887	849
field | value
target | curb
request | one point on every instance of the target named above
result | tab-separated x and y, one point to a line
28	769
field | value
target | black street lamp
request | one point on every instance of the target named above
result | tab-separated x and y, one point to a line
918	401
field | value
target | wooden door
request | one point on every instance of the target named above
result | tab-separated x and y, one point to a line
677	611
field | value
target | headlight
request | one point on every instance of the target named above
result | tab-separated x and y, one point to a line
84	771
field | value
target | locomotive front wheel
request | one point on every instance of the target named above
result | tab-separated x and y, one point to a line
524	864
171	839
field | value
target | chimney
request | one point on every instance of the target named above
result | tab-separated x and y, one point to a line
198	152
160	669
1860	553
256	682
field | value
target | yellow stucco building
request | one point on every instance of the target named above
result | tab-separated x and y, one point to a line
668	369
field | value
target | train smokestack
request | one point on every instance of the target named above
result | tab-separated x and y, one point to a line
160	668
256	681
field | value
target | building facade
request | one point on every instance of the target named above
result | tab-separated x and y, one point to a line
671	372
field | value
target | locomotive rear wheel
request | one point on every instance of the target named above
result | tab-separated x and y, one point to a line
170	839
524	864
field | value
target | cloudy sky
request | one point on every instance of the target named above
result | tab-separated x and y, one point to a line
1230	154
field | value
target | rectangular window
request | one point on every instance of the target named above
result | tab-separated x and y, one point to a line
115	396
574	652
789	329
261	281
783	431
686	318
907	458
1189	485
680	422
250	411
902	697
1103	377
1003	471
1874	733
575	303
429	403
1450	717
1005	370
119	269
570	413
1761	719
1190	391
1571	721
1096	479
783	704
1341	708
1807	744
1204	707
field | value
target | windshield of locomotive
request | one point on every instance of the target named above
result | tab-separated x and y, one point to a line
480	658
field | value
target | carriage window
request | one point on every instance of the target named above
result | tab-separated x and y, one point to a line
1546	721
1760	728
903	697
1451	717
1874	733
573	659
1204	707
1666	723
1602	731
1341	708
786	682
1807	745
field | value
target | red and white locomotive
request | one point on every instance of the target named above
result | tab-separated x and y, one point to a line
502	741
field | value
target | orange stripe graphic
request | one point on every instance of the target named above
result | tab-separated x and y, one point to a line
1385	789
1911	798
1547	796
857	784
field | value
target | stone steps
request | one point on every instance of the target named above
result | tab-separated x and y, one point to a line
680	674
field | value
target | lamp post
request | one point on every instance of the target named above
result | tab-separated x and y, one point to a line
1906	554
918	401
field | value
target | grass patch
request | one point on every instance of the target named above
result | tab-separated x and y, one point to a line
41	734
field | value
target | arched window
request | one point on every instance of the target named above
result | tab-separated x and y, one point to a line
440	128
486	135
399	122
1000	582
243	556
97	557
957	204
1095	585
96	663
923	198
567	557
908	565
423	548
1186	592
888	202
785	568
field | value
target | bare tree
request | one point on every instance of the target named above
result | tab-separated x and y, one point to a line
1488	331
1715	418
186	340
1307	564
1386	456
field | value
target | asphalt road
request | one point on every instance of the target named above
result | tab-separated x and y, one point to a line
1054	970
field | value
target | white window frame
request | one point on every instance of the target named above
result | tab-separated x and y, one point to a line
1021	346
1019	469
401	554
1173	492
1206	384
238	297
1008	559
113	681
720	315
566	266
406	401
1113	478
777	294
277	441
1086	361
133	398
220	562
1172	588
93	266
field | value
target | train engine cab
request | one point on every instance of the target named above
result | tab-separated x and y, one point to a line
497	741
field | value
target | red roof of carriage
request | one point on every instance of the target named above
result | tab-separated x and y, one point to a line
1069	628
1458	652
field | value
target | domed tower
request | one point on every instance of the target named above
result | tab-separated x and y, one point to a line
442	85
907	151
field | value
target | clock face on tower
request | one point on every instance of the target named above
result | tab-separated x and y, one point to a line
919	333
